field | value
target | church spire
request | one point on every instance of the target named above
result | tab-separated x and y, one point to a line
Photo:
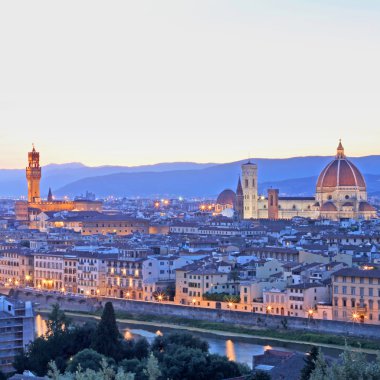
340	150
239	189
50	196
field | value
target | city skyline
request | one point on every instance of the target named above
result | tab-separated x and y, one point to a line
148	83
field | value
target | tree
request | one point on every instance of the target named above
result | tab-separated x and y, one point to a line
353	365
21	362
88	359
57	321
259	375
107	339
309	360
321	370
141	348
152	368
175	340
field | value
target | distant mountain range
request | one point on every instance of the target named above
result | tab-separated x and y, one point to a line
293	176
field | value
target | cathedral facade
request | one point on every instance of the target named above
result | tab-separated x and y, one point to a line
27	210
341	193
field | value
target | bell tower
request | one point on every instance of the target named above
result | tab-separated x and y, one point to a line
33	176
249	184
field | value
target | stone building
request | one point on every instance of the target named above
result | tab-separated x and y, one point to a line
28	210
341	193
356	295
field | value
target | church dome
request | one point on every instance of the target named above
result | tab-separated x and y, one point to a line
340	172
226	197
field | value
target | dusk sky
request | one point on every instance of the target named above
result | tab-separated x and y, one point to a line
139	82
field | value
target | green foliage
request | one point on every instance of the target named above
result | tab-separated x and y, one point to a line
87	359
107	339
172	341
135	349
310	360
353	365
152	368
57	321
259	375
105	372
21	362
183	356
221	297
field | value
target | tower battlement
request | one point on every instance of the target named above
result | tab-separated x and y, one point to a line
33	176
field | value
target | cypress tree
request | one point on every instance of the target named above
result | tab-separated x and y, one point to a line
107	339
309	363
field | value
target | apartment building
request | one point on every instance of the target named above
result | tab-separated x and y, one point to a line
16	330
356	295
192	282
16	267
49	270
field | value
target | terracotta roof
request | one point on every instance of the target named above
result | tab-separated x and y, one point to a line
226	197
328	206
356	272
340	172
365	206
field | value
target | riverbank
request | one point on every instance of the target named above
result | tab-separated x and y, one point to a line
369	346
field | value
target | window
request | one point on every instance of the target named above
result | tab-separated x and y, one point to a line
353	290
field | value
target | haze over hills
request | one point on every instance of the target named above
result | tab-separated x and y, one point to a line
294	176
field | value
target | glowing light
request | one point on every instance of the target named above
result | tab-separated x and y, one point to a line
159	333
194	301
230	350
128	335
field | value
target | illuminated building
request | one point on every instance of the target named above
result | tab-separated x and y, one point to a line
28	210
341	193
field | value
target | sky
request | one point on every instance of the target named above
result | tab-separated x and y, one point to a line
141	82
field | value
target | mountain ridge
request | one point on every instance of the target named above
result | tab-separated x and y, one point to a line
294	176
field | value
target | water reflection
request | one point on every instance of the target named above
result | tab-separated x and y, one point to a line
230	350
40	325
128	335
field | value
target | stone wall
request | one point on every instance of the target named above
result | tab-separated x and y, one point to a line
245	319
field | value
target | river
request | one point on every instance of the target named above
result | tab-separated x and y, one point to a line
238	349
